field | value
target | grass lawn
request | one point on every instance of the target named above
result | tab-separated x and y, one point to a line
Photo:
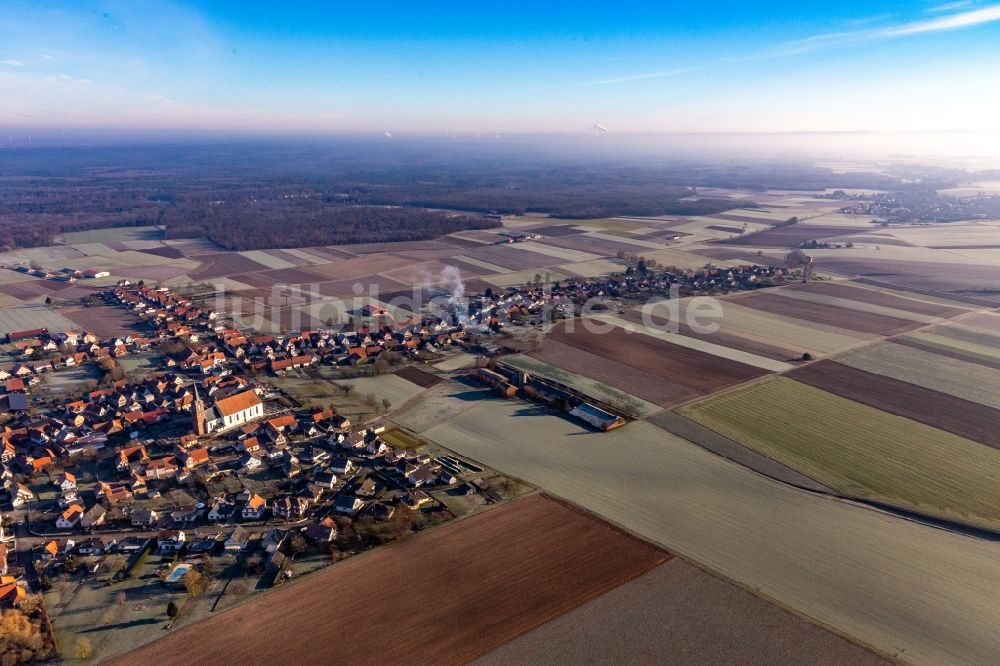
402	440
859	450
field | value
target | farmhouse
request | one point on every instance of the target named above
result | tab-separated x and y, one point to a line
30	334
95	273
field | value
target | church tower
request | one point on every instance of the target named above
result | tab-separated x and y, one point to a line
199	413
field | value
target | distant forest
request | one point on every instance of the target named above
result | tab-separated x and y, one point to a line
246	195
253	226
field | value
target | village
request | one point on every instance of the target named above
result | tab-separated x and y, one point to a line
196	462
201	469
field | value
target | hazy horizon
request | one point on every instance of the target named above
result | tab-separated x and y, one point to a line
959	149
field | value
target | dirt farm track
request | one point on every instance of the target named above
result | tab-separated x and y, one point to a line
446	597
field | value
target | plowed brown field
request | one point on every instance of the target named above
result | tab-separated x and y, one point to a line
829	315
445	597
877	297
634	381
787	236
701	372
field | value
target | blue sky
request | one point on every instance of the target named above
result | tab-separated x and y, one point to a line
505	67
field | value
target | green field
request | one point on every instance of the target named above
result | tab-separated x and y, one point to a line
861	451
402	440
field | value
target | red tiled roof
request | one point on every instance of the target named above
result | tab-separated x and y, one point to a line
237	403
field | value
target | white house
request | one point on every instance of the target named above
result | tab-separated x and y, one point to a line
348	504
326	480
255	508
66	481
170	540
233	411
70	518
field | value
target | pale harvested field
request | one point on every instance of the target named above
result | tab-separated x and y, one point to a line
859	451
775	215
679	258
443	597
950	234
112	261
924	368
26	317
616	397
923	594
157	272
883	258
9	301
986	321
678	614
392	387
969	342
702	227
441	403
303	256
266	259
328	310
459	361
841	220
518	278
8	276
973	189
784	331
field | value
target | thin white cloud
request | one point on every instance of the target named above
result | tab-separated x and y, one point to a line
951	22
66	78
955	21
12	62
46	56
661	74
948	7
